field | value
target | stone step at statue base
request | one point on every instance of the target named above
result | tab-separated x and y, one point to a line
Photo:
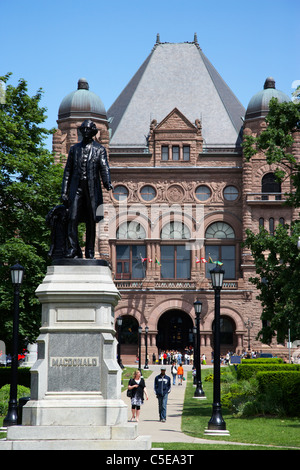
120	437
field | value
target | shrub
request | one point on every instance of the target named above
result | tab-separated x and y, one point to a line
209	378
282	388
245	371
236	395
263	360
5	393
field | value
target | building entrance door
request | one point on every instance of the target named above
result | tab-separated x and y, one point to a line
175	331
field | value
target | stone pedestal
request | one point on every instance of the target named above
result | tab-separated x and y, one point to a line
76	381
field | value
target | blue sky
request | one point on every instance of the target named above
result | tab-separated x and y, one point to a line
51	44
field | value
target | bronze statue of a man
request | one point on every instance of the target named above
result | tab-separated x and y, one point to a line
81	188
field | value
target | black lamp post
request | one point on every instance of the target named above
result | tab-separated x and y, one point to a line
119	323
11	418
199	393
140	334
216	421
195	355
146	353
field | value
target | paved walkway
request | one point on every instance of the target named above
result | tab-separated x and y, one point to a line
170	431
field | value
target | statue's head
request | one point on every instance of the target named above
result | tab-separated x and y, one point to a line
88	127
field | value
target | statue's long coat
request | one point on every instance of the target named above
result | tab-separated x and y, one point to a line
97	165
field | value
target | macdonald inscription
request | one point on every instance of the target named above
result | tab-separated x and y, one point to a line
74	361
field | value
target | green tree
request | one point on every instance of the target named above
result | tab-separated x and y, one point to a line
276	257
277	262
30	184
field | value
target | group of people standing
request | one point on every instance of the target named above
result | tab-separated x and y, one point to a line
169	356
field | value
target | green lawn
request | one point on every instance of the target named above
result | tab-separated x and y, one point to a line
264	431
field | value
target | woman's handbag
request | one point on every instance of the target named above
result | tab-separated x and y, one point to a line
129	393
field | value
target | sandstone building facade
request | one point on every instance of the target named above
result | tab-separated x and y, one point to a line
183	194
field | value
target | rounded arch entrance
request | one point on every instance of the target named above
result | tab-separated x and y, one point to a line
128	339
228	338
129	330
232	329
174	330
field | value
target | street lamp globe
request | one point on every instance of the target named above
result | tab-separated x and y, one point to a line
17	272
198	306
217	276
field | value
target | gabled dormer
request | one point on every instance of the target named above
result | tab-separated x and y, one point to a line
175	141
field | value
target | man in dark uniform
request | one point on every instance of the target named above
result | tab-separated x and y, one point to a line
162	388
81	188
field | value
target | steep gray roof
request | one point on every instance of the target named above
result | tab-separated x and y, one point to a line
176	75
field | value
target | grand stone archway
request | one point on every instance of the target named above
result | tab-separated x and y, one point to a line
175	331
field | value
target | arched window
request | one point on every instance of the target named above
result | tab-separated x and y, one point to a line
175	230
219	230
130	257
220	248
227	330
271	226
176	258
270	185
132	230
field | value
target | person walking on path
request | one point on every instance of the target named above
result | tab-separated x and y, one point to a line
174	372
138	388
162	387
180	374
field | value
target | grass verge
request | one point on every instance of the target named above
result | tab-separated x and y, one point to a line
262	430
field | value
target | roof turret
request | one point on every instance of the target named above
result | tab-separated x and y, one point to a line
82	104
258	106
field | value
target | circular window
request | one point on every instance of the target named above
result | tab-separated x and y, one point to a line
120	193
231	193
132	230
219	230
148	193
203	193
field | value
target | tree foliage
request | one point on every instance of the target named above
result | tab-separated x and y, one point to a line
29	187
276	257
277	262
275	142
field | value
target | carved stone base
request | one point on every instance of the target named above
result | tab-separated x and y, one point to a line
75	398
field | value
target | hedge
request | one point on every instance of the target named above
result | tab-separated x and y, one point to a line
23	376
263	360
285	385
246	371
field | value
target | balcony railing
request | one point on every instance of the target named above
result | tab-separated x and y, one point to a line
175	285
169	285
265	197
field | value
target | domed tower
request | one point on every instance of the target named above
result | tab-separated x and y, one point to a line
77	106
263	195
258	106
